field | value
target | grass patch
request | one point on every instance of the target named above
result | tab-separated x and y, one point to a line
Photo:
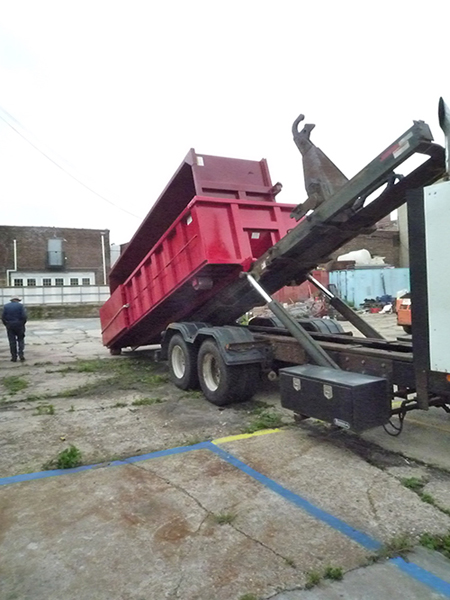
258	407
66	459
73	392
120	405
413	483
335	573
398	546
429	499
146	401
124	374
44	409
85	366
225	518
34	398
193	394
265	420
439	543
248	597
14	384
69	458
313	578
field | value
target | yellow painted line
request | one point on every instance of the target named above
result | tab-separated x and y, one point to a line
243	436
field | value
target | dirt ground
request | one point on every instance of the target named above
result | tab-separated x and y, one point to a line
110	408
191	501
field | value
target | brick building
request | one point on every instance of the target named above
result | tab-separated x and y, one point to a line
53	256
382	242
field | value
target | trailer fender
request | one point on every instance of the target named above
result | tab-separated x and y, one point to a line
322	325
188	330
237	345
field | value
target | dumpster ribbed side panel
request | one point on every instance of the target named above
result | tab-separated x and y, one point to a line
198	175
213	240
114	317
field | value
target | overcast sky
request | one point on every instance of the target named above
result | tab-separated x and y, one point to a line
117	92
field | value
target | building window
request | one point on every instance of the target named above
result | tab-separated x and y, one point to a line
74	281
46	282
18	282
55	254
59	281
31	282
86	281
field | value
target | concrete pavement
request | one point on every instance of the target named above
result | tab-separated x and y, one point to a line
210	521
246	517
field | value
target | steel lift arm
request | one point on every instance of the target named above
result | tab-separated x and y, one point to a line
340	214
343	215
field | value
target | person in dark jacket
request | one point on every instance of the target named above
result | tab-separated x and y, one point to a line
14	317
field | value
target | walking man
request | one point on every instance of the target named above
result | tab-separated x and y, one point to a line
14	318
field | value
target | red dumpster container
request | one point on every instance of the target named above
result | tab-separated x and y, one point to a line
198	175
205	249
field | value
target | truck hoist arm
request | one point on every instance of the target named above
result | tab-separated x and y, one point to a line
335	212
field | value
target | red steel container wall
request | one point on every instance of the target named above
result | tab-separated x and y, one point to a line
113	316
198	175
212	237
239	231
176	257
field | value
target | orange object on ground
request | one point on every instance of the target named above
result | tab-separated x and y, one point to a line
403	308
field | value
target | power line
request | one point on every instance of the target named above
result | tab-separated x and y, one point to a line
56	163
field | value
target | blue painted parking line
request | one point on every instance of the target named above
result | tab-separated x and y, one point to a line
358	536
425	577
432	581
114	463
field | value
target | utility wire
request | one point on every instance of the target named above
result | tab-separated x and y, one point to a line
56	163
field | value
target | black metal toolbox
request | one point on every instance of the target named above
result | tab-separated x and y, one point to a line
349	400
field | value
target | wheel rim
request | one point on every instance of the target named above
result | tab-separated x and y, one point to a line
211	372
178	362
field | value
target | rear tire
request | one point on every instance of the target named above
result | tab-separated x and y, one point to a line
115	351
182	363
221	383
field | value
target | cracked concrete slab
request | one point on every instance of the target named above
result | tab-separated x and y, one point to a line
110	427
379	582
341	483
258	511
151	531
107	423
439	490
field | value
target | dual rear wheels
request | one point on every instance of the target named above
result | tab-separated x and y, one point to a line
220	383
182	363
